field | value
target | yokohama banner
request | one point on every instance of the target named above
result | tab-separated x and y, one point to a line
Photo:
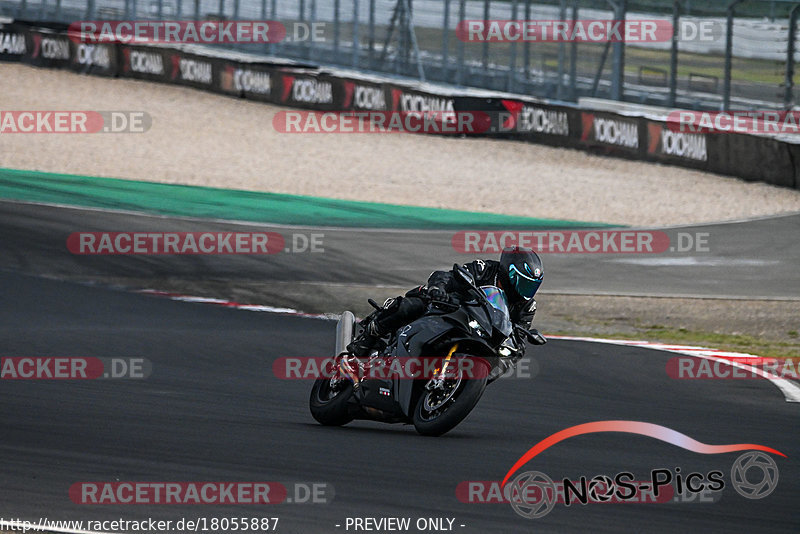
101	59
308	89
13	42
609	132
48	48
146	62
540	122
194	70
667	145
247	80
361	95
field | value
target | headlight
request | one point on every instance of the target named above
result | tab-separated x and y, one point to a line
473	324
507	347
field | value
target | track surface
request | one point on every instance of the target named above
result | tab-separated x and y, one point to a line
212	410
753	259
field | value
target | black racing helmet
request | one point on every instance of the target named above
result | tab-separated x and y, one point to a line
523	270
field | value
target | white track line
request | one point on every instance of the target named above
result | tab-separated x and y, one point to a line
789	389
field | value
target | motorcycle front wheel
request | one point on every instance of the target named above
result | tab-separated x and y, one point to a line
439	410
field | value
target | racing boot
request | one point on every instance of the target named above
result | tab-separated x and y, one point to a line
368	341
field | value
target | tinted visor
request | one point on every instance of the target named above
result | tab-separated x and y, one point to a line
524	283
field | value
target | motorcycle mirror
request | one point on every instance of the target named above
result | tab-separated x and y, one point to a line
463	274
534	337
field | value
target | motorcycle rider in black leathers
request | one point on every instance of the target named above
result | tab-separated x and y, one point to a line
518	273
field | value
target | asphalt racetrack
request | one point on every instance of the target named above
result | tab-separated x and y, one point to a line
750	259
212	409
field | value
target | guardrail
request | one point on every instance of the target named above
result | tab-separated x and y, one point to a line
615	130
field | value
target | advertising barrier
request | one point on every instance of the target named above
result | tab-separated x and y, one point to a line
611	133
13	41
48	48
771	159
678	148
363	95
146	63
101	59
251	81
539	122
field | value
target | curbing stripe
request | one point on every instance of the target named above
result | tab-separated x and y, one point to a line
789	389
235	305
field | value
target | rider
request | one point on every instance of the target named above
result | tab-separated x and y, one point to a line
519	273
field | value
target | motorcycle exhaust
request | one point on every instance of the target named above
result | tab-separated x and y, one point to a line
345	329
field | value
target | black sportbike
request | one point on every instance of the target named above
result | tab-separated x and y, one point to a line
456	349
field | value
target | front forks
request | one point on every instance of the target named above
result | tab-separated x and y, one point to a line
439	374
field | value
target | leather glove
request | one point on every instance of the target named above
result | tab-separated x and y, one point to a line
437	293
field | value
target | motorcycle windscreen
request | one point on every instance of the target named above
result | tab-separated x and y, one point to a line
497	298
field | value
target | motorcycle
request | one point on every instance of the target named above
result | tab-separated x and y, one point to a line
465	345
